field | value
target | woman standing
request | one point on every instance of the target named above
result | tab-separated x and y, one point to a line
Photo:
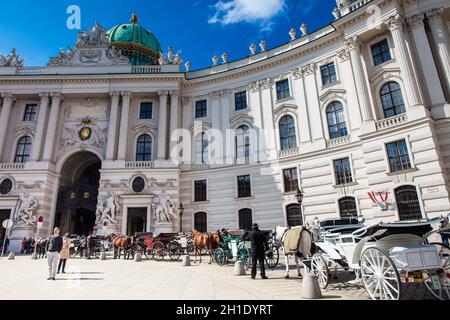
65	253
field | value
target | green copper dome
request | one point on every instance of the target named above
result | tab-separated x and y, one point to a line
138	43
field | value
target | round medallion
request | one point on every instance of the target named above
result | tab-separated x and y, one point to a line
6	186
138	185
85	133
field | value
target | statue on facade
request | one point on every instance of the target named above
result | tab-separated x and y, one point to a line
107	209
164	209
11	60
170	57
27	210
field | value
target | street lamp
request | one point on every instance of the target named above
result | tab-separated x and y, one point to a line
299	196
181	209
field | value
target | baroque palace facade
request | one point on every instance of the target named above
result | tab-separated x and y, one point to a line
113	135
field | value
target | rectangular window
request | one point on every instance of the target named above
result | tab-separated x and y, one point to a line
290	180
283	90
328	74
398	156
146	111
240	101
343	171
201	109
30	112
381	52
200	193
244	186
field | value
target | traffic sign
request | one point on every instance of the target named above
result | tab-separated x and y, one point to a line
7	224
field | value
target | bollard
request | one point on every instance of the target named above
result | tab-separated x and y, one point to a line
239	269
11	256
103	256
311	288
186	261
34	256
137	257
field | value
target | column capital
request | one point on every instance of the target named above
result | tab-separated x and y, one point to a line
214	95
265	84
225	93
163	93
57	96
307	69
114	94
343	54
44	95
174	93
434	15
8	96
353	43
416	21
254	87
186	100
395	23
126	94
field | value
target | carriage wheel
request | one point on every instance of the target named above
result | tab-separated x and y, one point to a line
380	276
444	278
244	256
190	248
175	251
159	251
319	268
272	257
219	256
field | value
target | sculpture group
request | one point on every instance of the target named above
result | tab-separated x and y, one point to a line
163	209
27	210
107	209
11	60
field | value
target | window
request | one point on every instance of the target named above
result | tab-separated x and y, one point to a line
328	74
244	186
146	111
408	203
381	52
138	185
6	186
398	156
30	112
23	150
336	120
240	101
290	180
287	133
201	148
392	99
283	91
201	222
343	171
347	208
144	148
294	215
201	109
242	143
200	192
245	219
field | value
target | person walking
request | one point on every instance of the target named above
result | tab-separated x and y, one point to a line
65	253
55	245
24	246
258	250
89	244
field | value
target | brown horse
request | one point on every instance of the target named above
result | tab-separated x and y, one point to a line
208	241
120	242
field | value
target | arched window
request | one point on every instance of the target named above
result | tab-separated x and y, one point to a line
294	215
23	150
408	203
242	143
347	207
201	222
144	148
201	148
392	99
287	133
245	219
336	120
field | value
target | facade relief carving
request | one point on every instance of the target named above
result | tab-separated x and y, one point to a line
26	213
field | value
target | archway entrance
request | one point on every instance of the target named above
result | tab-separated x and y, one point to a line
78	193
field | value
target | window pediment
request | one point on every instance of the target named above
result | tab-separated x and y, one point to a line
332	95
285	109
241	119
25	130
144	128
386	75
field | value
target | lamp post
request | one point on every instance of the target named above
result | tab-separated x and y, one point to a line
181	209
299	196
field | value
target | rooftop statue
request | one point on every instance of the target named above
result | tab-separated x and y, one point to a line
171	57
11	60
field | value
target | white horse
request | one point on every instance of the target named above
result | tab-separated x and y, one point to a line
304	245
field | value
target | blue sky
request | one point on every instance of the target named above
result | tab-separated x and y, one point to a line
200	28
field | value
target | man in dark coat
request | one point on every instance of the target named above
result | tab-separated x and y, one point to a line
258	251
55	245
89	245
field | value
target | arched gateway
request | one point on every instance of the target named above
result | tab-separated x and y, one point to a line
78	193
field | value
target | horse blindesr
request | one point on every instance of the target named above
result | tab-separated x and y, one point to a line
208	241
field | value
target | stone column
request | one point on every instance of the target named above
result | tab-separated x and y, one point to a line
302	111
228	143
123	136
8	100
40	127
162	125
51	127
438	32
112	130
215	147
395	25
430	72
361	81
174	124
267	120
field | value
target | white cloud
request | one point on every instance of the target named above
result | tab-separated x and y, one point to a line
234	11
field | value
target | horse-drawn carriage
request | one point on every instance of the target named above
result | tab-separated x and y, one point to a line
233	246
165	244
383	256
78	247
